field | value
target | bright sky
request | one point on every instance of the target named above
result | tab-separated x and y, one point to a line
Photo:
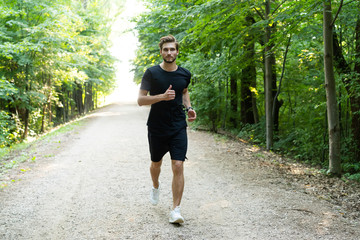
124	46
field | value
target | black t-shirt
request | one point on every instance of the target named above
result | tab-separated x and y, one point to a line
166	116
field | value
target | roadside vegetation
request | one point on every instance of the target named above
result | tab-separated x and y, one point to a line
55	63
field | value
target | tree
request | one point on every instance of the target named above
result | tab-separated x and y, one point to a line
268	81
55	55
330	86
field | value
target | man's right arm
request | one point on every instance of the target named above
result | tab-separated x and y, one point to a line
145	99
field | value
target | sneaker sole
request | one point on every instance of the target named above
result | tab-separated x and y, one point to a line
154	203
179	220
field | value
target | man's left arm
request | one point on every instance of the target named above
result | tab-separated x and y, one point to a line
186	101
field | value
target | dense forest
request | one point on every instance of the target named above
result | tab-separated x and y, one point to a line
55	62
280	74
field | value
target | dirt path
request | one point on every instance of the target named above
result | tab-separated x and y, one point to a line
94	184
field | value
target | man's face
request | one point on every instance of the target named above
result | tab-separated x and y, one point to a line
169	52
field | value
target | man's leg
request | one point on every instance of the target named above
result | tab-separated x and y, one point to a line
178	181
177	190
155	169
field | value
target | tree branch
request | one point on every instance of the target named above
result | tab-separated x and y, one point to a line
259	13
349	2
338	11
278	6
282	74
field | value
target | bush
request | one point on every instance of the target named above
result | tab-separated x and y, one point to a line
7	129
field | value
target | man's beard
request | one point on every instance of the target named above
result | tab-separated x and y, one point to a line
171	61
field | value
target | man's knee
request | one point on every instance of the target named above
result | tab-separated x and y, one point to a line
155	165
177	166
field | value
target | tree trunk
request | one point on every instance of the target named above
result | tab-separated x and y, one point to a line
233	100
225	101
96	97
268	82
49	100
26	123
59	109
247	114
65	104
43	118
88	97
78	98
254	106
27	111
331	103
276	103
248	80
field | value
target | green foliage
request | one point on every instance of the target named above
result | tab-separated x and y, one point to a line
254	133
352	170
7	124
209	95
54	62
216	38
7	129
355	177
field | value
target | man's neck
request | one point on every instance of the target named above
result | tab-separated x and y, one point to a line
169	67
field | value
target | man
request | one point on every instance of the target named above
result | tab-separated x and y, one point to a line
167	84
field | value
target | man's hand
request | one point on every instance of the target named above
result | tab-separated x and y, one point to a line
191	115
169	94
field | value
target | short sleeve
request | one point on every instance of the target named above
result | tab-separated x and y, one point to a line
188	77
146	81
188	82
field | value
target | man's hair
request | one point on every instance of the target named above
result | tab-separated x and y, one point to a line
168	39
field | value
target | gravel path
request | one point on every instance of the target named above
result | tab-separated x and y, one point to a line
93	183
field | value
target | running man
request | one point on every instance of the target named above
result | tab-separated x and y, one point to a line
167	85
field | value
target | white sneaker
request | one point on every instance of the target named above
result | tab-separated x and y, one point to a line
175	216
154	195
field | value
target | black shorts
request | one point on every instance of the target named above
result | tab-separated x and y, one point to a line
161	143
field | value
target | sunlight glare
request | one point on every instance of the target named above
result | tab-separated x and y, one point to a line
124	46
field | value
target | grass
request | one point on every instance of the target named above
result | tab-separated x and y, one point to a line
16	147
